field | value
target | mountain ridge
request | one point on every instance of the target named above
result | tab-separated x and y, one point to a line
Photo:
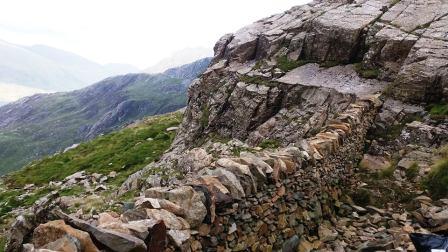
51	69
58	120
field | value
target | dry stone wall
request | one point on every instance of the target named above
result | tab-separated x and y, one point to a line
264	200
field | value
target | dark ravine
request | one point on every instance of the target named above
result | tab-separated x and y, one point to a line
47	123
271	141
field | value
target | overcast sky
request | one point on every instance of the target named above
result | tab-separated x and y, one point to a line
138	32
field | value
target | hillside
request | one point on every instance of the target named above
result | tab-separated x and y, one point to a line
322	128
179	58
122	152
50	69
44	124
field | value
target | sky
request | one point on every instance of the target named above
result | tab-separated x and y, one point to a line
137	32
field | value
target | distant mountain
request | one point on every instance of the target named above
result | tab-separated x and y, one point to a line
47	123
179	58
50	69
113	69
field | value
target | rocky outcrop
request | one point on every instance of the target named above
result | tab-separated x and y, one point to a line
242	91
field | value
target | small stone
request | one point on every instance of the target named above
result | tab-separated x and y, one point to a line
291	244
204	229
196	246
374	163
232	228
326	234
179	236
359	209
376	210
172	129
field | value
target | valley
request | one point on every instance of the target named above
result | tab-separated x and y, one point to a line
44	124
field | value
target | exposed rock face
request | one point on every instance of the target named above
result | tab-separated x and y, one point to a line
403	42
423	75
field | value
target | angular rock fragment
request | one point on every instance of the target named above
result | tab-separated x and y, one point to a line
54	230
187	198
114	241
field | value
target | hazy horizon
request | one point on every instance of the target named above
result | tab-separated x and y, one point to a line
135	32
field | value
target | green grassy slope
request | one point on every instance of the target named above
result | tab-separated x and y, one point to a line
124	151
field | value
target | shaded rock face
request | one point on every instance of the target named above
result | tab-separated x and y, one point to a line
399	41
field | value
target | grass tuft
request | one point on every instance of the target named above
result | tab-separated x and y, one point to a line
412	171
437	180
362	197
387	172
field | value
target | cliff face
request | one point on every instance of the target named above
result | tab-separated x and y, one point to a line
401	43
267	156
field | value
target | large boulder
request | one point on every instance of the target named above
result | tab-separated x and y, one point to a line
169	219
114	241
54	230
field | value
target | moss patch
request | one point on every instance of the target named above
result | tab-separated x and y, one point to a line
269	144
367	73
2	243
286	65
205	117
438	111
255	80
